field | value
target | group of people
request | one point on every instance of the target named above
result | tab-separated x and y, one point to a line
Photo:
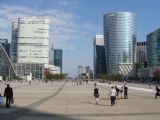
113	93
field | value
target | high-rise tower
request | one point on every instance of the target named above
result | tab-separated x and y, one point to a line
120	42
99	56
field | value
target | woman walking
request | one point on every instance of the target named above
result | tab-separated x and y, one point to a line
96	93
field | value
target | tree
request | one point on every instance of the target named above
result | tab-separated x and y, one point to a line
113	77
156	75
49	76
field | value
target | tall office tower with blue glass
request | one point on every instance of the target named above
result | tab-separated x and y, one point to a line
153	48
120	42
99	56
58	58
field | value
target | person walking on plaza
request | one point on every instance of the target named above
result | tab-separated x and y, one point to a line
112	95
117	90
121	92
157	91
96	93
125	92
8	93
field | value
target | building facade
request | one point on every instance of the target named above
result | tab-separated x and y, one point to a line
119	41
24	69
141	52
58	58
80	71
99	56
33	40
13	48
153	48
6	68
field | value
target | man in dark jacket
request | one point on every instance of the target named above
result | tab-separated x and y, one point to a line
125	92
157	91
8	93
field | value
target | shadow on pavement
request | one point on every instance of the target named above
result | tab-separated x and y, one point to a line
95	104
17	113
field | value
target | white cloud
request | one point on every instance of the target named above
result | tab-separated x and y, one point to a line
63	25
67	2
4	34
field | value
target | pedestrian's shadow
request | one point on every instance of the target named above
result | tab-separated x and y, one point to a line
106	99
99	104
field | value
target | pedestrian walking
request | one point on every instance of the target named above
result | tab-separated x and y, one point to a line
149	84
8	93
112	95
117	90
96	93
86	81
125	92
121	92
157	91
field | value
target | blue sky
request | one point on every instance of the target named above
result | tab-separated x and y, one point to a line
74	23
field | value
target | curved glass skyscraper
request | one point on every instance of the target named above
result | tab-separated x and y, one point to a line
120	42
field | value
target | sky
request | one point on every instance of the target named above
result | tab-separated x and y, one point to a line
74	23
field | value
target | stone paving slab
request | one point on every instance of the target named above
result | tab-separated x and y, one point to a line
42	101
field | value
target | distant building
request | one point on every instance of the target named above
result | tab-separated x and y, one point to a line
80	71
120	41
99	56
13	49
85	72
141	52
153	48
51	55
58	56
54	69
6	45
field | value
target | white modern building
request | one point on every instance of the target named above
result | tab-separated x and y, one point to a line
33	40
54	69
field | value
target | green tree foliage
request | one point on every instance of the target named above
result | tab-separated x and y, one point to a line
112	77
51	77
156	75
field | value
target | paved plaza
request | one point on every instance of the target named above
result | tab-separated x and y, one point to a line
67	101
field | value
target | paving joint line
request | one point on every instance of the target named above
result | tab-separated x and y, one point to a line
24	111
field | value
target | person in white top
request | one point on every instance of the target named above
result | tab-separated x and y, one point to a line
112	95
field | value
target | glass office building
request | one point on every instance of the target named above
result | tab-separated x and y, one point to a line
58	58
141	52
120	41
99	56
153	48
13	49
